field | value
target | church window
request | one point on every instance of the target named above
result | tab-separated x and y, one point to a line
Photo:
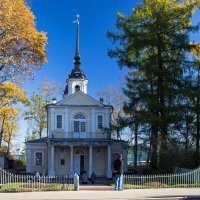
76	126
77	88
59	121
100	121
79	123
83	127
79	116
62	161
38	158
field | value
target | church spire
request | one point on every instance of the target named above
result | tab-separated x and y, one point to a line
77	79
77	57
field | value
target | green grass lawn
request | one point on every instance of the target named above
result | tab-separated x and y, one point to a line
35	186
151	185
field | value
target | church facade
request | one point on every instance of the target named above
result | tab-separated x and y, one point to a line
76	141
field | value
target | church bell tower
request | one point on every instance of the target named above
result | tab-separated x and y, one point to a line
77	80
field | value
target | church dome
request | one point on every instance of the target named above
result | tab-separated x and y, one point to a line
77	73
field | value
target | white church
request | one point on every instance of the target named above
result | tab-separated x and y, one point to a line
76	141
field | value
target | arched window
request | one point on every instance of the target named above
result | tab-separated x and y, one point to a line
77	88
79	116
79	123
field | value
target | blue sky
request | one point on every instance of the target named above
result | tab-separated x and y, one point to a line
96	18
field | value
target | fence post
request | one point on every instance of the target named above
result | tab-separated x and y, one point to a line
76	182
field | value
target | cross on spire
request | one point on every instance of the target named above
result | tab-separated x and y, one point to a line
76	72
77	19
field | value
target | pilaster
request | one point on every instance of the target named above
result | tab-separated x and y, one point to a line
109	169
93	123
71	171
66	129
52	167
52	122
90	161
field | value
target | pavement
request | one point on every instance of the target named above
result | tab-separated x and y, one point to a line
136	194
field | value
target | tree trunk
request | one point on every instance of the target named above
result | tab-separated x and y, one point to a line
154	134
154	149
161	95
40	132
198	121
8	147
1	131
136	144
187	133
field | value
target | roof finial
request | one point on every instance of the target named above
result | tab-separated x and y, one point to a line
77	19
77	52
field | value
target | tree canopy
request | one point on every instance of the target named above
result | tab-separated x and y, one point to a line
154	44
22	46
37	112
10	95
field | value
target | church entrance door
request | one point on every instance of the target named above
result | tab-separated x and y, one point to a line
80	163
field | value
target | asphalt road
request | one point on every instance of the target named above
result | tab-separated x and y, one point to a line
148	194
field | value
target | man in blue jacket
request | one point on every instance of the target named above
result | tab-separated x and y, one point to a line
118	170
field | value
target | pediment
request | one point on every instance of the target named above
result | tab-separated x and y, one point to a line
79	98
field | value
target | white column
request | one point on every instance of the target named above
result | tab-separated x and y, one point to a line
71	161
107	118
69	82
52	122
109	170
52	170
93	123
85	86
28	158
90	162
66	123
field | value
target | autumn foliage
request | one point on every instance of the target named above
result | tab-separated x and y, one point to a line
10	95
22	47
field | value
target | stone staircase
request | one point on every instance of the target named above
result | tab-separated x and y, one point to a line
100	184
96	187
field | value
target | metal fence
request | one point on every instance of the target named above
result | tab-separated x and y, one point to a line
188	179
10	182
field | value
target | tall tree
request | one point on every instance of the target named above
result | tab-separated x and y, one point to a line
10	95
115	97
195	97
37	112
22	46
10	129
47	89
153	43
28	137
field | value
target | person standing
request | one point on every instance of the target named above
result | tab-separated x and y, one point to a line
93	177
37	176
118	170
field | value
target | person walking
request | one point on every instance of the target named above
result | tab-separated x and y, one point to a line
118	171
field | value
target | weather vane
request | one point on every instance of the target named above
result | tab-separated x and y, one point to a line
77	19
